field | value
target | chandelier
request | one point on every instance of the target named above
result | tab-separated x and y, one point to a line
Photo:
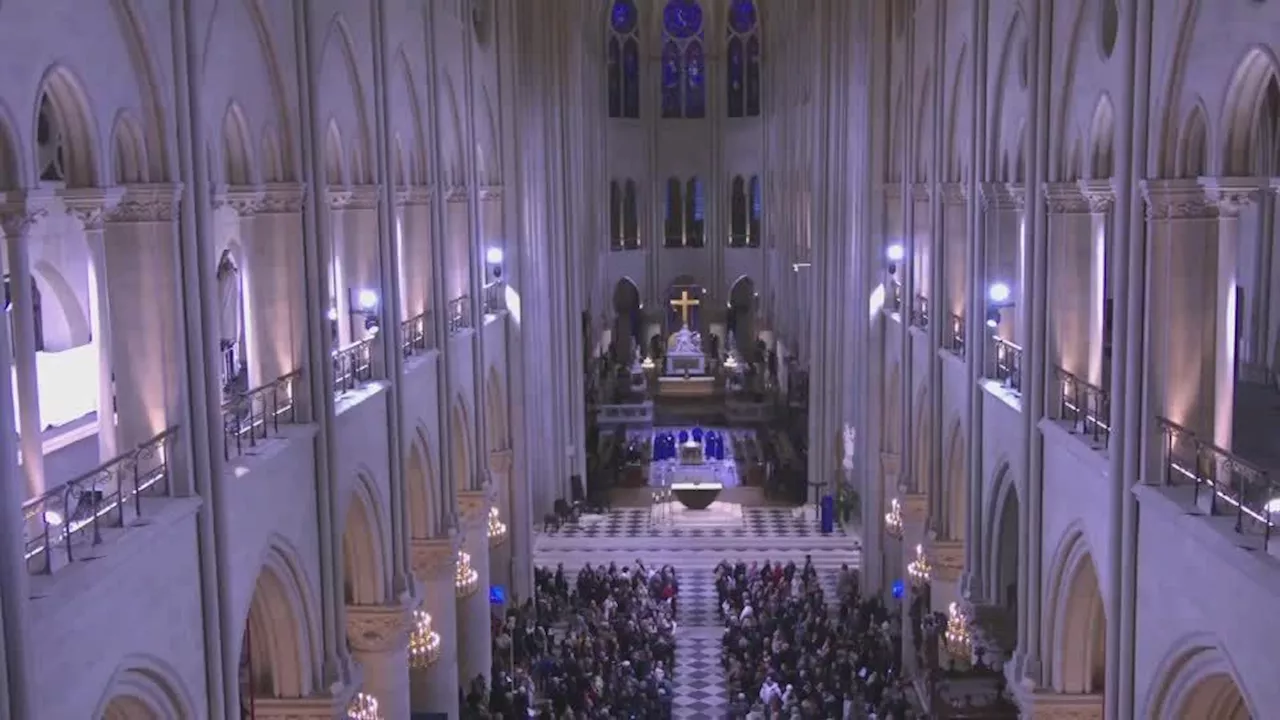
893	519
497	528
919	569
647	363
959	642
465	578
424	643
363	707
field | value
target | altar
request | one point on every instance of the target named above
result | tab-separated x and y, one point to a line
684	353
693	465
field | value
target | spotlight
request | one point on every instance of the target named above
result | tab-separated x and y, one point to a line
333	313
993	318
999	292
367	300
494	256
895	253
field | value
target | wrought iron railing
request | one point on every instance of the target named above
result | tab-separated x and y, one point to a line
459	314
495	298
74	514
256	415
1234	485
953	341
920	311
1087	407
1006	360
352	366
414	334
893	298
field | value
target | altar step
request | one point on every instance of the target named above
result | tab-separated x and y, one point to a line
642	497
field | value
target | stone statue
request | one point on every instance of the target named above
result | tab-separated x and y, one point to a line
230	316
685	342
850	440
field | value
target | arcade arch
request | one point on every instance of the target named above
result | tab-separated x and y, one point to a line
365	577
1196	682
1077	623
740	318
144	689
279	649
628	322
423	493
1003	544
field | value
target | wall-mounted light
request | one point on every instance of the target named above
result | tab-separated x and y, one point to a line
367	300
333	314
364	304
895	253
993	317
494	258
999	293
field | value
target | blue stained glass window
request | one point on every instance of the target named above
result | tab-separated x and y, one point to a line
623	16
631	79
753	76
615	78
682	18
695	93
742	16
737	82
670	80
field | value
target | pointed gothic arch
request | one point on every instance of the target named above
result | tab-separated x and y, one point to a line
340	32
892	398
365	576
237	154
129	151
1003	538
281	639
922	445
496	411
956	485
1102	139
425	516
1192	159
1239	118
66	137
1075	635
460	446
1197	679
144	688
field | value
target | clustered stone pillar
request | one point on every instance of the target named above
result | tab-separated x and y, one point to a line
475	642
20	215
434	688
379	640
502	559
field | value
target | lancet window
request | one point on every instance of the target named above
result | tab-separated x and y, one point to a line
684	92
743	66
624	60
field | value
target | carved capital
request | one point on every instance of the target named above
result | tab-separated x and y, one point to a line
892	192
953	193
473	508
156	203
17	217
1100	194
1042	705
491	193
1177	200
947	557
414	195
283	199
914	508
378	628
1065	199
890	463
435	559
244	199
1002	196
920	192
91	205
455	194
1232	194
500	462
325	707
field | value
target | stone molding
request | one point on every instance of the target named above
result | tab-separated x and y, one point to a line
1002	196
150	203
244	199
17	217
953	193
1100	194
892	192
1177	200
920	192
91	205
1232	194
283	199
947	557
413	195
1042	705
455	194
324	707
491	192
500	462
435	559
379	628
1065	199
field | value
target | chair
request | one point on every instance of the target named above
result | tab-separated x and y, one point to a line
565	512
550	522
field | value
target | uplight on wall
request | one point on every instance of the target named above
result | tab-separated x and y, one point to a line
893	255
999	295
364	304
493	258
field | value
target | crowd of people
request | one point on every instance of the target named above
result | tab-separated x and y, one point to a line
789	654
601	647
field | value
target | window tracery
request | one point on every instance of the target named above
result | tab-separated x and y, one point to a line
743	63
624	60
684	92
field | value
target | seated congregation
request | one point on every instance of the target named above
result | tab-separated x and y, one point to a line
789	653
600	647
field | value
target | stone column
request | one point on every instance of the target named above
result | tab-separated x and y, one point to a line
91	207
1070	283
434	688
510	562
379	639
276	302
475	641
1101	197
17	215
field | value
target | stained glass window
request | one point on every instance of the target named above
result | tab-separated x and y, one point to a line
695	218
754	236
674	230
737	212
615	215
743	65
624	60
630	217
684	93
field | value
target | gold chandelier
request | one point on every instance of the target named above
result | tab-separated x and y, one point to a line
893	519
465	577
919	569
497	528
959	641
363	707
424	642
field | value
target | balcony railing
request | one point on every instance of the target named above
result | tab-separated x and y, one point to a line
495	298
459	314
414	334
1086	407
73	515
920	312
256	415
893	297
1006	360
953	341
352	366
1234	486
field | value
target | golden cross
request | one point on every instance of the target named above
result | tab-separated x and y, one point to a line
684	304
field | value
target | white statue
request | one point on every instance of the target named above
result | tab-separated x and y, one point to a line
229	317
850	440
685	342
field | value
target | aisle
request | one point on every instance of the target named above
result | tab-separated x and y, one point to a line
699	676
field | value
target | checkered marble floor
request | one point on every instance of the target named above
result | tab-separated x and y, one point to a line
699	676
644	522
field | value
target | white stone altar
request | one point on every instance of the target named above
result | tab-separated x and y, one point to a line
684	353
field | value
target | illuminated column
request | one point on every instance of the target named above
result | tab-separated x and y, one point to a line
475	641
434	683
275	308
379	640
1101	197
90	207
17	216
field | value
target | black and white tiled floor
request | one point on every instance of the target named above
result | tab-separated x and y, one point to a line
774	534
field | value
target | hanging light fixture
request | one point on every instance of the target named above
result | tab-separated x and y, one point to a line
893	519
497	528
466	580
647	363
919	569
424	642
959	641
363	707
